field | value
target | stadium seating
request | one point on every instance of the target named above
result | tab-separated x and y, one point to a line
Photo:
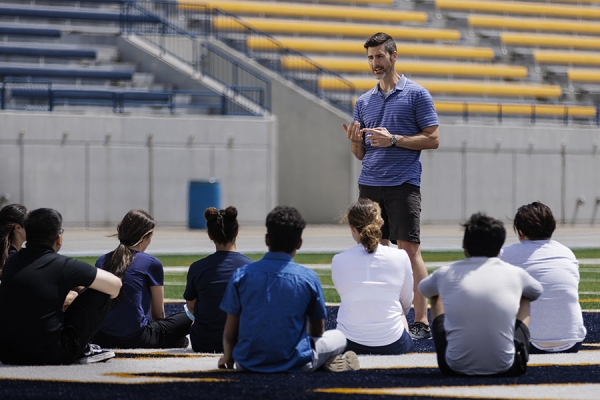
583	75
548	110
469	88
520	8
272	25
566	57
28	31
549	40
533	24
67	13
320	45
332	12
45	51
355	65
63	71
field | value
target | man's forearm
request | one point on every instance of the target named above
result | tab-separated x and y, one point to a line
358	149
420	141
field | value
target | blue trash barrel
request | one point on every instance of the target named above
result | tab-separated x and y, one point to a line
202	194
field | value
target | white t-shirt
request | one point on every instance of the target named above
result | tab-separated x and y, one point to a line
556	316
376	290
481	298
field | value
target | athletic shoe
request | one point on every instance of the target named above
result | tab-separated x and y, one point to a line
342	362
419	330
93	354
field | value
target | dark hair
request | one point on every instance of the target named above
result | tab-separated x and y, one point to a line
380	38
535	221
365	216
484	236
284	228
43	226
10	216
222	225
135	226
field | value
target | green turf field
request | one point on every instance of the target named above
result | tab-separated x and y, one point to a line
589	287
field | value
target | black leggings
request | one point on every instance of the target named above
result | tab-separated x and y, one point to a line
162	334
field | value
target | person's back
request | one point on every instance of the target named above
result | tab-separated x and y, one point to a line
277	297
481	299
556	317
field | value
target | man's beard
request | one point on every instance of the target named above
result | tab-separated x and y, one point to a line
383	74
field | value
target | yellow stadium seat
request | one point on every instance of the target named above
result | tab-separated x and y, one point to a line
285	9
546	40
548	110
534	24
272	25
317	45
518	7
584	75
566	57
463	87
338	64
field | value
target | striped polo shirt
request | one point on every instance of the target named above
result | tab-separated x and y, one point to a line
407	110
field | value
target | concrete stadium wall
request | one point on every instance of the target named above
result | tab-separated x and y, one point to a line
94	168
498	168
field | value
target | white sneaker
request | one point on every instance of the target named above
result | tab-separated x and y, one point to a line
93	354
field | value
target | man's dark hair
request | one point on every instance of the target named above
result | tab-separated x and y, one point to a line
484	236
381	38
284	227
535	221
43	226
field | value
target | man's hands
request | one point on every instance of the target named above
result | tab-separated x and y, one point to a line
353	132
379	137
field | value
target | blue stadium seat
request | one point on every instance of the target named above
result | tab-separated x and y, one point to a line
20	50
28	31
62	71
70	13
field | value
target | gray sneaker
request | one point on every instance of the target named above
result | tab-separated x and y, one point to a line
93	354
419	330
342	362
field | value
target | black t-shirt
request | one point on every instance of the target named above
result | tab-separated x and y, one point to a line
35	282
207	280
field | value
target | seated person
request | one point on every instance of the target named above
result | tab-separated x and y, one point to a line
12	233
480	306
276	311
375	284
207	279
556	318
34	330
137	317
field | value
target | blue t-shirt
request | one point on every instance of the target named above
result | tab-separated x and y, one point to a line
206	282
273	298
130	312
407	110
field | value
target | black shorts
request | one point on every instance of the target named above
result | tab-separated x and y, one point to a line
521	341
400	210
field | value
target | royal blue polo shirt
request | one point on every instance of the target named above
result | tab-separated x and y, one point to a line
406	110
273	298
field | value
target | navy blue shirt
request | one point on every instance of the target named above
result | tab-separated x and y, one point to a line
273	298
130	312
406	110
206	283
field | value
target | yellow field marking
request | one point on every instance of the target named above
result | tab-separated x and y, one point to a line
127	375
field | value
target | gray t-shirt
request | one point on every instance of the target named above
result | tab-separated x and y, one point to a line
481	298
555	316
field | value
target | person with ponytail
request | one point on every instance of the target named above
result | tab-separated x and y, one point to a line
137	317
375	284
207	280
12	232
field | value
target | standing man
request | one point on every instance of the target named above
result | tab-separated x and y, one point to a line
393	122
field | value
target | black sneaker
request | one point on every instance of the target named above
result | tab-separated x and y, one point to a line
419	330
93	354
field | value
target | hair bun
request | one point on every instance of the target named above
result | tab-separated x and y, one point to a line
230	212
211	214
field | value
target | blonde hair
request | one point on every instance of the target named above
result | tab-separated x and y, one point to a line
365	216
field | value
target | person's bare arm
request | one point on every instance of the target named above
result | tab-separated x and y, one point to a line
230	338
357	144
106	282
429	138
316	327
157	304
